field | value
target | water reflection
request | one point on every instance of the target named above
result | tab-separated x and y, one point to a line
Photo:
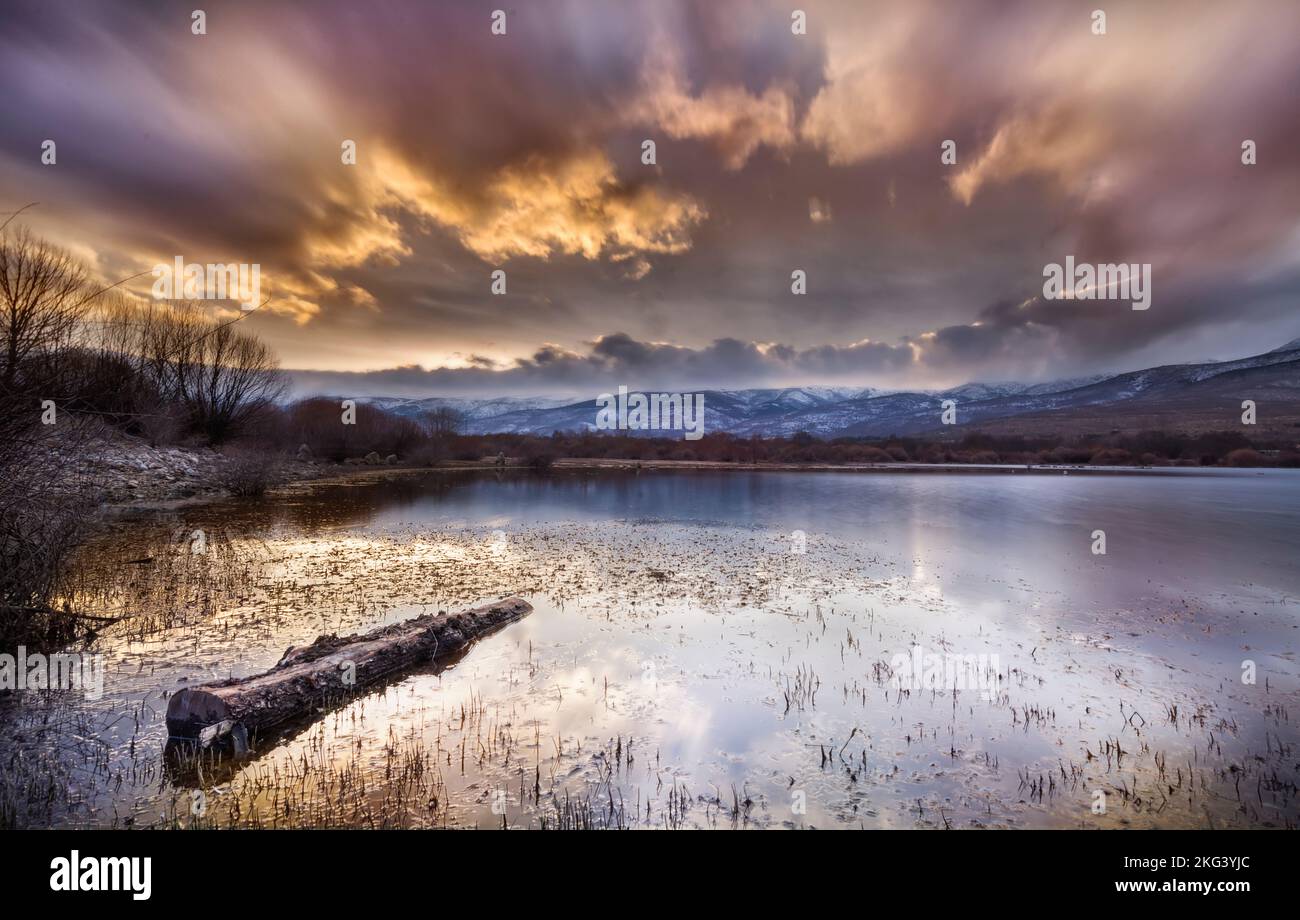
685	667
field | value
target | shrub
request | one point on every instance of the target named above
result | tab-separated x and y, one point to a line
873	455
249	472
541	461
1069	455
1244	456
430	453
1111	456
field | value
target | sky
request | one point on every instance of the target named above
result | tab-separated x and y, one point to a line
776	150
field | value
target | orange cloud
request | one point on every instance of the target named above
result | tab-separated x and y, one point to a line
540	207
1055	143
734	120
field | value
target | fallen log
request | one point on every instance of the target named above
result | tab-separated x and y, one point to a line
309	677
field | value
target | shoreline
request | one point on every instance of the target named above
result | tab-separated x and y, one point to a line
299	474
577	464
898	467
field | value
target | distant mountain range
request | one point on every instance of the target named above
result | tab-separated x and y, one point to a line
1183	397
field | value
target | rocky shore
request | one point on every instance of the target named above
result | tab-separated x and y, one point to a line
126	472
123	472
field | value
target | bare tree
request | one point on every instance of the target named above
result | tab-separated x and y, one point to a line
235	378
442	421
44	495
218	377
43	293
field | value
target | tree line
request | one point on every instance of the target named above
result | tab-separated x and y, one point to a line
315	422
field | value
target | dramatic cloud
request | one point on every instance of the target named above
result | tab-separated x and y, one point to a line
1006	340
774	152
619	358
537	208
730	117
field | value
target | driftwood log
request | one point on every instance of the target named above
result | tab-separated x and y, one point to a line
309	677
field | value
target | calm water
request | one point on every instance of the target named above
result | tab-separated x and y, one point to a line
708	650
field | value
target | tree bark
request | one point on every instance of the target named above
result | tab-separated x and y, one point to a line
309	677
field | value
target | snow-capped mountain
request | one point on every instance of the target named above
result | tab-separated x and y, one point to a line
1183	389
470	409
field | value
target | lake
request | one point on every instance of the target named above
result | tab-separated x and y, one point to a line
708	649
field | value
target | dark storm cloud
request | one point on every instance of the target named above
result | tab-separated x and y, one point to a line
618	359
608	362
775	151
